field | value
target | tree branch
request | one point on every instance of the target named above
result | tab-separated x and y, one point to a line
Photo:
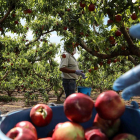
5	75
132	48
39	37
132	60
104	56
6	15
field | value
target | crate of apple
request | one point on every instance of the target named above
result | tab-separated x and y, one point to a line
79	118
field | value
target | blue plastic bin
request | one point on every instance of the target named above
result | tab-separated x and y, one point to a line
130	121
85	90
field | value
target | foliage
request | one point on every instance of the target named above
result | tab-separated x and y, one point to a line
30	64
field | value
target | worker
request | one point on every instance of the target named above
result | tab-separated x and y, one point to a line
129	82
70	71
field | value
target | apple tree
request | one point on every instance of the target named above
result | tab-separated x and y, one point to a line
99	29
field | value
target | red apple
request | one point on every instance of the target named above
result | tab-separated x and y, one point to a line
101	63
134	16
1	29
118	18
111	38
69	131
109	105
41	115
125	136
27	124
48	138
95	68
109	21
115	60
82	4
91	7
65	28
81	33
58	125
95	134
25	11
29	11
63	56
90	70
109	127
118	33
16	22
83	12
112	42
18	133
108	61
13	15
78	107
123	48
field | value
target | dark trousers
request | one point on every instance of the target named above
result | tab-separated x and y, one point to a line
69	86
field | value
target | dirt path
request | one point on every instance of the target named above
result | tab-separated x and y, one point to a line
11	106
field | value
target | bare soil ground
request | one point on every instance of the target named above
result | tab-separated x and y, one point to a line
6	107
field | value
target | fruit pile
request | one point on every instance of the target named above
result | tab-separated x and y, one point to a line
78	109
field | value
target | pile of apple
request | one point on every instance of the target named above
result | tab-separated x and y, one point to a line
78	109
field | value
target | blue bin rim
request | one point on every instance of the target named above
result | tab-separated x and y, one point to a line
84	87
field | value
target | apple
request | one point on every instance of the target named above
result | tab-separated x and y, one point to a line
109	21
41	115
69	131
91	7
134	16
115	60
27	124
90	70
63	56
112	42
109	127
13	15
95	68
107	49
29	11
101	63
81	33
82	4
118	33
18	133
109	105
108	61
25	11
1	29
111	38
65	28
95	134
58	125
48	138
78	107
125	136
118	18
16	22
123	48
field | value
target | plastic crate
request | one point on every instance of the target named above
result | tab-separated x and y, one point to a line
130	121
85	90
